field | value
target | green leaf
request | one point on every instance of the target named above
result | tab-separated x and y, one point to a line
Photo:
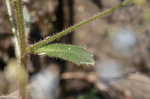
71	53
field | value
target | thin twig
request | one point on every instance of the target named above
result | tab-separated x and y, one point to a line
76	26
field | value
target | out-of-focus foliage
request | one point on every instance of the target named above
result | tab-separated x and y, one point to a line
124	42
147	14
45	84
89	95
109	70
140	2
16	74
3	84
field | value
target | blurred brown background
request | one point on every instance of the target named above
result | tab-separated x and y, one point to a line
119	42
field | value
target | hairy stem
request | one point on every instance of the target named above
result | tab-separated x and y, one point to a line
22	42
76	26
15	12
21	30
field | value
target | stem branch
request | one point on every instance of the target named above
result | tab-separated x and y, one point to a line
76	26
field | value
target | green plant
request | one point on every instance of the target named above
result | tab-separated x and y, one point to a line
75	54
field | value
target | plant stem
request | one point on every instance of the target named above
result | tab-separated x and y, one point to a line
76	26
22	39
21	31
15	12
